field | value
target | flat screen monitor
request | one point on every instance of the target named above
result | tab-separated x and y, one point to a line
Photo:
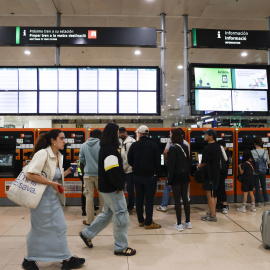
213	100
107	102
213	77
8	79
128	102
147	102
67	78
252	101
249	79
9	102
107	79
147	79
28	102
27	79
88	102
128	79
6	159
67	102
48	79
88	79
48	102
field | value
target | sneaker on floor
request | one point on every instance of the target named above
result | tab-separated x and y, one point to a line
225	210
258	205
242	209
127	252
87	241
266	203
162	208
187	225
85	223
209	218
152	226
208	213
253	209
73	263
29	265
178	227
132	211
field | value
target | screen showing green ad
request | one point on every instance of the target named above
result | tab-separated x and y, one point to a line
213	78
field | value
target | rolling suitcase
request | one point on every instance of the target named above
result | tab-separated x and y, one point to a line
265	229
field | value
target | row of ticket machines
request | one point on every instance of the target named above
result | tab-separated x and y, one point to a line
16	146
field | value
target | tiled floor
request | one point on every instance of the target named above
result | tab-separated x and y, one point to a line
234	242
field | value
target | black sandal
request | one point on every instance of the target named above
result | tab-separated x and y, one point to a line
87	241
73	263
127	252
29	265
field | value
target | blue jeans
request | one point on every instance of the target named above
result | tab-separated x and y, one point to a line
257	179
166	194
115	209
145	186
130	190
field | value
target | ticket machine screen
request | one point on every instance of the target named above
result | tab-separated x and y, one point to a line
6	160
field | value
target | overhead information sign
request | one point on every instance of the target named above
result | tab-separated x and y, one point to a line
79	36
230	39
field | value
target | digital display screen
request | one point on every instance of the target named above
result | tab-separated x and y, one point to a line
6	160
28	102
128	79
67	102
8	102
27	79
253	101
213	100
88	79
249	79
107	79
8	79
147	102
199	158
212	77
107	102
88	102
48	79
162	160
48	102
147	79
67	78
128	102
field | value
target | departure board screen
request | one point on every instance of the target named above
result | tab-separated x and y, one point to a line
67	78
147	79
8	79
27	79
128	79
8	102
28	102
48	78
107	79
48	102
88	79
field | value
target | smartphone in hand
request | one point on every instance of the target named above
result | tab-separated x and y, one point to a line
60	189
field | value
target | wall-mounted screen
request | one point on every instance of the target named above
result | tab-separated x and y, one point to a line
8	102
253	101
107	102
27	79
147	79
67	102
213	77
107	79
28	102
88	79
147	102
48	102
213	100
48	78
8	79
67	78
128	79
88	102
128	102
249	79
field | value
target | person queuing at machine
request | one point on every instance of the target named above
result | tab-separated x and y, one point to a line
89	165
47	241
246	170
179	176
111	183
167	188
221	190
211	164
144	157
261	159
127	141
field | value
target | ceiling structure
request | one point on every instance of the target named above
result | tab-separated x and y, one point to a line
212	14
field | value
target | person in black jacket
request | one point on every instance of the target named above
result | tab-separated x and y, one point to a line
111	183
145	158
178	176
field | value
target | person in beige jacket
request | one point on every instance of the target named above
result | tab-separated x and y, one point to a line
127	141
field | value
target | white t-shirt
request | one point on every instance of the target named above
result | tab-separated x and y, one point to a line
169	143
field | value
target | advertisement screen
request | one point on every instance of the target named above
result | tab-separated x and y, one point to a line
213	100
212	77
249	79
253	101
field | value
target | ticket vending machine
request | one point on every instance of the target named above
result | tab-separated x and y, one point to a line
245	139
197	144
74	138
16	147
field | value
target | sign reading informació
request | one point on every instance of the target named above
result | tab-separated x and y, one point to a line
230	39
79	36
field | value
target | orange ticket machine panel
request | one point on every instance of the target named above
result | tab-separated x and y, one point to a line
245	141
197	144
16	146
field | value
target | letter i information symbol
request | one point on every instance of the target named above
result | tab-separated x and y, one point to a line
218	34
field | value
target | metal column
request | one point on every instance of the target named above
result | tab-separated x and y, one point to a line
163	59
57	49
268	51
186	94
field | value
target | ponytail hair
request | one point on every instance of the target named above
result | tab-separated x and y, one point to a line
44	140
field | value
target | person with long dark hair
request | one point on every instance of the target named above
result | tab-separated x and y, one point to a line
111	183
47	241
178	177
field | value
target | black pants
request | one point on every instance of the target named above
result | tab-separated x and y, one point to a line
221	192
181	191
145	186
130	190
83	199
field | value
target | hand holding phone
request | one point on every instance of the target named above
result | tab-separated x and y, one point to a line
60	189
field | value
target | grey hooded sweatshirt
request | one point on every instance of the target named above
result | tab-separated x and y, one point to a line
89	154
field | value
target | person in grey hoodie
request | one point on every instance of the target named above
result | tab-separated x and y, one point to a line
88	156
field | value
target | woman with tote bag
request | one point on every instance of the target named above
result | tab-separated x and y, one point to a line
47	241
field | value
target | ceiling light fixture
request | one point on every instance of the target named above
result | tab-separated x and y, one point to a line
180	67
27	52
244	54
137	52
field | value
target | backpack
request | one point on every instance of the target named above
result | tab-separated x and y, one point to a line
260	164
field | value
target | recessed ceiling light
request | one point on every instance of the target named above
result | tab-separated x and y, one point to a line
27	52
169	105
178	98
244	54
162	109
170	114
137	52
166	84
172	95
180	67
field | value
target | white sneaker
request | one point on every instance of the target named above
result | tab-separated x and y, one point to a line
162	208
225	210
178	227
253	209
187	225
242	209
258	205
